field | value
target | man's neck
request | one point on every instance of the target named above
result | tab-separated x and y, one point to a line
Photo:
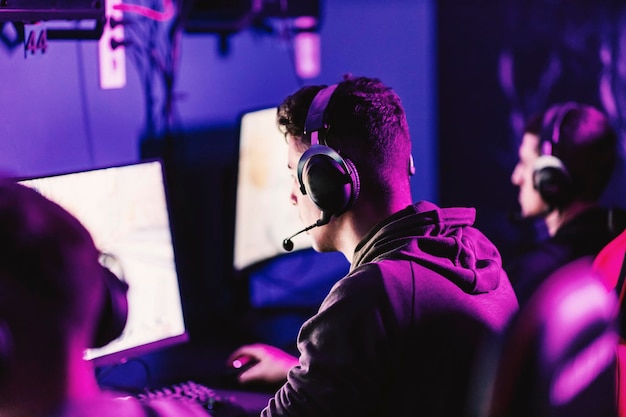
556	219
358	223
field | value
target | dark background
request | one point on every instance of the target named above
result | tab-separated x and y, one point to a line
498	63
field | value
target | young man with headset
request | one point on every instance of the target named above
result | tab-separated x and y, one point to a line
56	300
566	159
399	335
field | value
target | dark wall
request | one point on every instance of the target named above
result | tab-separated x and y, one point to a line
201	175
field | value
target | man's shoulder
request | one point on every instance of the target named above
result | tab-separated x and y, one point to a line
364	277
368	281
539	259
599	221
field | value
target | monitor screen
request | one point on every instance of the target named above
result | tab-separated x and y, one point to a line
264	216
125	209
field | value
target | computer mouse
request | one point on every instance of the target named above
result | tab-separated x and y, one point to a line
242	363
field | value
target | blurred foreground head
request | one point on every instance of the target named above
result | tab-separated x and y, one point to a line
51	286
559	356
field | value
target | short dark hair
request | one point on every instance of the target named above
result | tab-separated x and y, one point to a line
367	124
533	124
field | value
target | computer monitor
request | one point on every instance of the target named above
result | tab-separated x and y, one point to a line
264	216
125	208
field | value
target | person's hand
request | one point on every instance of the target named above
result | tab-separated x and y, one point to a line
269	364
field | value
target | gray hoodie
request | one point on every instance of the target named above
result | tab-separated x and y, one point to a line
402	333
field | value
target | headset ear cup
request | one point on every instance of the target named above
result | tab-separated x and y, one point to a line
330	181
355	182
114	313
552	181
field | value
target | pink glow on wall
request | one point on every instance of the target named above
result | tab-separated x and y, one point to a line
307	48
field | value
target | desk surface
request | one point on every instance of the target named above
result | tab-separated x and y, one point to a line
202	363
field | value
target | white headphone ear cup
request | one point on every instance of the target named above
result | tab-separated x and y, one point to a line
552	181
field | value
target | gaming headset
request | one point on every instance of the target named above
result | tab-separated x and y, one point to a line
114	312
330	181
550	175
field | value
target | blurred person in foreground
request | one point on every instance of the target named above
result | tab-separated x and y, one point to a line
53	300
566	159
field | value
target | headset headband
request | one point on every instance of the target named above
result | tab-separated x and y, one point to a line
551	138
315	119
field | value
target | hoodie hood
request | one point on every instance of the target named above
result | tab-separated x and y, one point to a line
443	240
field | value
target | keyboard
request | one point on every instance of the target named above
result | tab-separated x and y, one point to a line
217	404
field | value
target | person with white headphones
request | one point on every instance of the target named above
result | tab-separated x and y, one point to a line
567	157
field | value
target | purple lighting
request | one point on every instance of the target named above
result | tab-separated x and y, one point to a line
571	317
581	312
307	47
584	368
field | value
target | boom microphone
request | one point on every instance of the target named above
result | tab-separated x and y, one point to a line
288	244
